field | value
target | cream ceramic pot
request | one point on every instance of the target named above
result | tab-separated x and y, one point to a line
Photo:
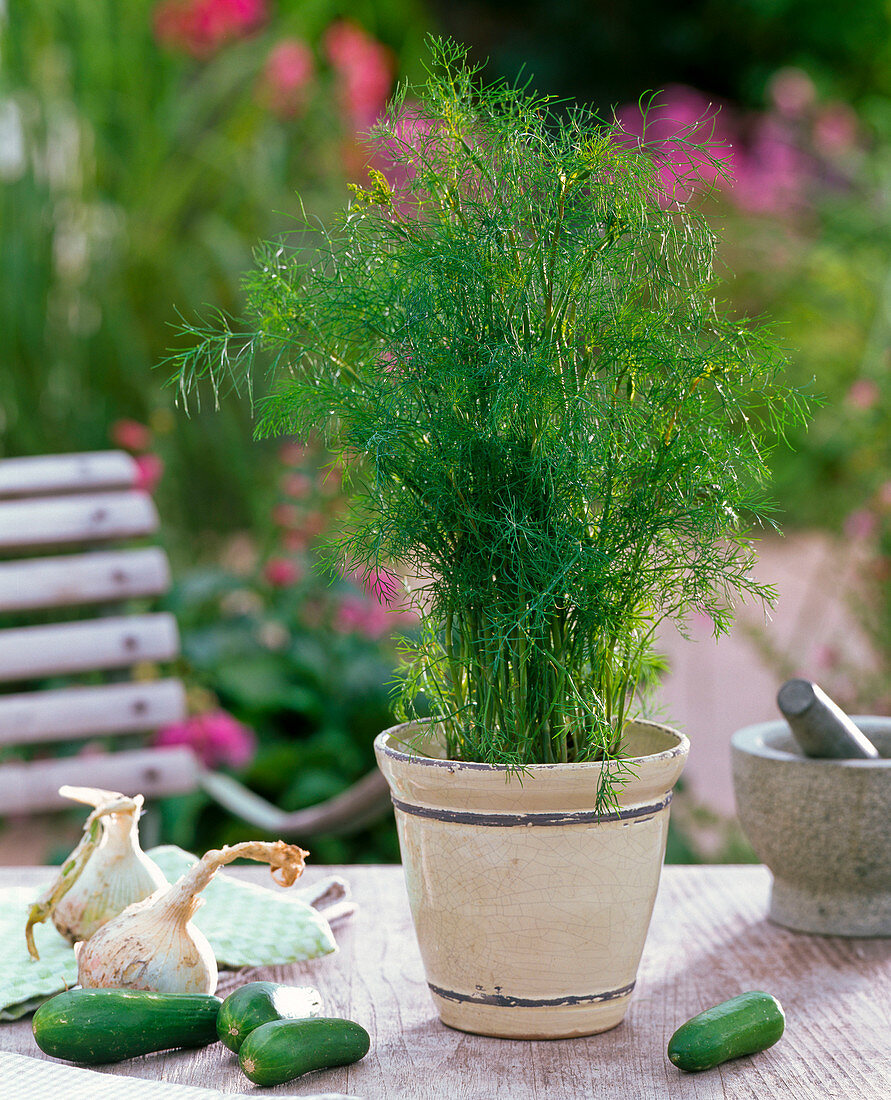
530	909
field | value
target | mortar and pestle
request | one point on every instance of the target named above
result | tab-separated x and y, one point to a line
813	796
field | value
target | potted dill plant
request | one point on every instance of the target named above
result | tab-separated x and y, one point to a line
516	347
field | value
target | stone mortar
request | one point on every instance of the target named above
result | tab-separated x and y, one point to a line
823	827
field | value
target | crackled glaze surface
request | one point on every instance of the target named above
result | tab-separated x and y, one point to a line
531	910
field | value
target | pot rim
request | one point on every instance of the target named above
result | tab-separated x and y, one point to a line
758	740
381	744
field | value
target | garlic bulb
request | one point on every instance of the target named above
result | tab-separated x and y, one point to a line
104	874
153	944
116	874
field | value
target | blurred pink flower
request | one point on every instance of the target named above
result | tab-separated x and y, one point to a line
350	614
766	175
131	435
149	469
358	615
201	27
365	69
286	76
772	172
884	494
294	540
863	394
835	129
792	92
381	584
860	524
682	114
411	133
216	737
314	524
292	453
298	486
286	515
282	572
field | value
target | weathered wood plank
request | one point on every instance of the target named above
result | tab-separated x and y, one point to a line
63	714
34	787
57	521
40	475
115	642
708	941
68	580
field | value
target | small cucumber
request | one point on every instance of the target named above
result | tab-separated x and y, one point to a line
108	1025
284	1049
260	1002
743	1025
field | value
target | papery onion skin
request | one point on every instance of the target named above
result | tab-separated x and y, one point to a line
149	946
154	945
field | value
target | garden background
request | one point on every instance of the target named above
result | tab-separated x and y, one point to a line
146	147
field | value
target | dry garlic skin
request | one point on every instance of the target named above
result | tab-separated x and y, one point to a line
117	874
105	873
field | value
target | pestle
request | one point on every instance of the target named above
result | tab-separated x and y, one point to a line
819	725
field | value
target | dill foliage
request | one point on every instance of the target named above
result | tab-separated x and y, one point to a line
557	425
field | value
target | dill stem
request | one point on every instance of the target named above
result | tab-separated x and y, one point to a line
521	682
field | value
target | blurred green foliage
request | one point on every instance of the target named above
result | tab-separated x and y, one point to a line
314	696
827	285
134	181
303	660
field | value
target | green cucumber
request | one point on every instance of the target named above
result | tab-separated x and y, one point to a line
108	1025
745	1024
284	1049
260	1002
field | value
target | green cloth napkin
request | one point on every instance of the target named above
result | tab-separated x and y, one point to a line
246	925
24	982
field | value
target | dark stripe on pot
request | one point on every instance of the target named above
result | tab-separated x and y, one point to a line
559	817
504	1000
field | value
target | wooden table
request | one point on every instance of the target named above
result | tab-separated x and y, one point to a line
708	941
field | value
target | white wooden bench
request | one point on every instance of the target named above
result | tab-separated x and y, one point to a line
60	516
